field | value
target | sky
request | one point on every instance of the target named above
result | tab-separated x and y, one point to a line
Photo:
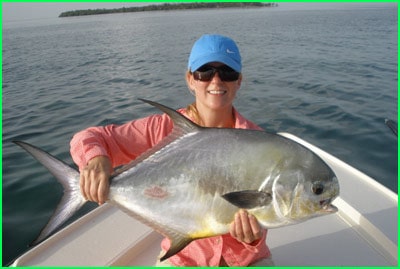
16	11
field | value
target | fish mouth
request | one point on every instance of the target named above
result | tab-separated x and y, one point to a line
327	206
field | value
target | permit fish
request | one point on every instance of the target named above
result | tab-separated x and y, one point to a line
192	183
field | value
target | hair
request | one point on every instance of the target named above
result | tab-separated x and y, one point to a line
191	109
194	114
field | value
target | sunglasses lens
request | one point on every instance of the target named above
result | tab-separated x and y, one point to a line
206	73
228	76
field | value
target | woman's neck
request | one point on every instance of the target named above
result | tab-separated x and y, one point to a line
206	117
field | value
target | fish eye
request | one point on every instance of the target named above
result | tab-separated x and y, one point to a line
317	188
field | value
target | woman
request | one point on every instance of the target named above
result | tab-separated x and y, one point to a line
214	78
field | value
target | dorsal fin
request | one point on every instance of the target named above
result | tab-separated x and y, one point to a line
182	126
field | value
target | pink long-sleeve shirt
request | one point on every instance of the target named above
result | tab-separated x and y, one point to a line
124	143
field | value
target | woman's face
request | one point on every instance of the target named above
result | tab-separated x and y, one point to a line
214	94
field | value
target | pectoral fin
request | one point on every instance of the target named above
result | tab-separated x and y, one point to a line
248	199
177	244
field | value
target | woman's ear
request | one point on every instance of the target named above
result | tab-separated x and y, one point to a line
239	81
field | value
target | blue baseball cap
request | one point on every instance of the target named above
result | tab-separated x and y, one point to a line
215	48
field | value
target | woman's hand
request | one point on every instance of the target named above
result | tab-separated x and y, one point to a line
94	179
245	227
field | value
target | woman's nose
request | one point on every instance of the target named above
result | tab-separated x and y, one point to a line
216	78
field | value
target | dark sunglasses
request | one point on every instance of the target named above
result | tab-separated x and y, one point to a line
207	72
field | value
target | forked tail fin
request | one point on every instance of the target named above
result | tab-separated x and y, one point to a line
72	199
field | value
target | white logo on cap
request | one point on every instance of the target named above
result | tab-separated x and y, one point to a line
229	51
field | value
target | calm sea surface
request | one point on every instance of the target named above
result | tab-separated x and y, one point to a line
327	76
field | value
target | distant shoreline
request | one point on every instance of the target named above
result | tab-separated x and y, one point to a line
166	6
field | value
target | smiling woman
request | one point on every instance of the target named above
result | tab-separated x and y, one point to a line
216	59
214	78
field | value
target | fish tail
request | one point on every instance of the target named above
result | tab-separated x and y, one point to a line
72	199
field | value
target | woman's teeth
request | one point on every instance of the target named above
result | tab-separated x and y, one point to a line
217	92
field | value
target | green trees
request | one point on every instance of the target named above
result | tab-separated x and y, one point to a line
166	6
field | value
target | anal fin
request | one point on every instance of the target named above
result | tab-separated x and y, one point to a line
177	244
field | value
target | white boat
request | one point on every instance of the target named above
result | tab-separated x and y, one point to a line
362	233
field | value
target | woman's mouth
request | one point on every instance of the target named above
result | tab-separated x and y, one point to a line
215	92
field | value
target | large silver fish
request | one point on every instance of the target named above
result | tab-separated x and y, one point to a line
192	183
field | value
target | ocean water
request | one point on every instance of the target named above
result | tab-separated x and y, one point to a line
328	76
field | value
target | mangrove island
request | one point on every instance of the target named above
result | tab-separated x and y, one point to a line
167	6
